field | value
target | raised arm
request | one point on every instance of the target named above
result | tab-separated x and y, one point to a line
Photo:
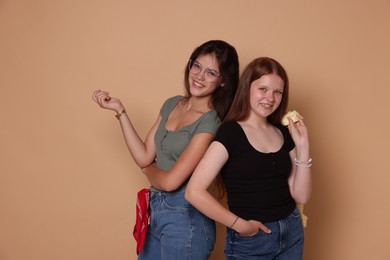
143	152
184	166
300	180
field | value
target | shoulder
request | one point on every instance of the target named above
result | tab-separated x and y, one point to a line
229	127
227	131
170	103
208	122
288	141
172	100
211	117
230	136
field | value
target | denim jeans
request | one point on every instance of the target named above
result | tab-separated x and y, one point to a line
284	243
176	229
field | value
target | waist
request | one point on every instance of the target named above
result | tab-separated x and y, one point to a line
181	189
263	212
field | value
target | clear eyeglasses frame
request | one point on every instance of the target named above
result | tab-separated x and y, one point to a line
210	75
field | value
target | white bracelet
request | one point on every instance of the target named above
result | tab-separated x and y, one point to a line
306	164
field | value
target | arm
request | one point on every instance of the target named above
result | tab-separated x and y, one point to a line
184	166
300	180
142	152
197	192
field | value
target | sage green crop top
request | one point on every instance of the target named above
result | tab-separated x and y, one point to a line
170	144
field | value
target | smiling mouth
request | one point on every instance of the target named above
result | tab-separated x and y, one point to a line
197	84
266	105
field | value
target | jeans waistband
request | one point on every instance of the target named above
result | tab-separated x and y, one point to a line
155	191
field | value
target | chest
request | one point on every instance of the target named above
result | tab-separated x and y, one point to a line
264	141
180	117
248	165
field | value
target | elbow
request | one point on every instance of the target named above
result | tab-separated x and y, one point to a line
301	195
189	194
302	199
141	164
303	202
168	186
144	161
193	195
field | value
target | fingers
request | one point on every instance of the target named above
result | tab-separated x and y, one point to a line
297	126
299	133
101	97
262	227
292	126
94	94
300	122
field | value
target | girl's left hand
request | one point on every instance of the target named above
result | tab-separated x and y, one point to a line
298	132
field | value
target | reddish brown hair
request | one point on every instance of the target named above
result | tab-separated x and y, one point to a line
256	69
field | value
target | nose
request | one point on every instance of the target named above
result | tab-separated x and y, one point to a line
201	75
270	95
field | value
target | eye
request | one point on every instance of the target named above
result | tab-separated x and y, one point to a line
197	65
279	92
212	73
262	89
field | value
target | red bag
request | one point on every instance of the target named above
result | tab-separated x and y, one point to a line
142	218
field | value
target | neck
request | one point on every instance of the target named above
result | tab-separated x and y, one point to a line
198	103
257	121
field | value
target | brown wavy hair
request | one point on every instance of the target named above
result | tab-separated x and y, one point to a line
227	58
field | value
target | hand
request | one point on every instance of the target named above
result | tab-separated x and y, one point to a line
106	101
250	228
298	132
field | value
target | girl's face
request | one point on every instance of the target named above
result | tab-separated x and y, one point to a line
204	76
266	94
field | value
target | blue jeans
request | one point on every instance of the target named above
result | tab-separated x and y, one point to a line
284	243
176	229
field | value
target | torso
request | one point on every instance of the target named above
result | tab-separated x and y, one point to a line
256	175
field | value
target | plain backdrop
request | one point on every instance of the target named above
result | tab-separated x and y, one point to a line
67	183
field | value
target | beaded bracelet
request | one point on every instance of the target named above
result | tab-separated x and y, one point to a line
306	164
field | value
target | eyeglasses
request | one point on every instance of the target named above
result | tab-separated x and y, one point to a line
209	74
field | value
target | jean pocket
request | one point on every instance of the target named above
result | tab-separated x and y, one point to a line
238	235
176	204
259	244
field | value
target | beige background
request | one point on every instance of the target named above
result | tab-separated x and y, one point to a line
67	183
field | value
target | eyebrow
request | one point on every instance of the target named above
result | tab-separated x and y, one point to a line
196	61
266	86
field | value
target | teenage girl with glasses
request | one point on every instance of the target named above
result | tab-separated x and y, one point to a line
174	146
